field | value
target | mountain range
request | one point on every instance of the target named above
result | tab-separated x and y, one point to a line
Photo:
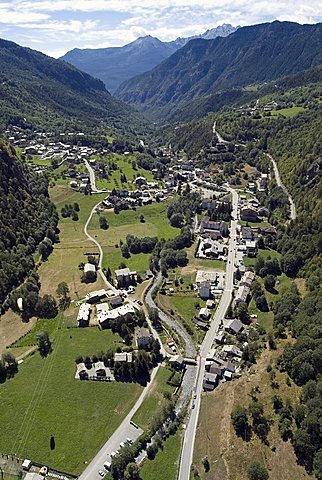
202	67
114	65
45	92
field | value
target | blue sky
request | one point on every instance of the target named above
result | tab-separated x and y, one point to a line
56	26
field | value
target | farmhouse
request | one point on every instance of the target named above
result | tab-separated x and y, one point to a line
248	214
124	277
210	381
116	301
110	316
95	296
205	290
123	357
143	337
232	351
89	267
247	278
102	312
234	326
251	248
242	294
204	313
177	362
84	314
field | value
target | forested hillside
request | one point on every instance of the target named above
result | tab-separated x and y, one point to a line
202	67
50	94
27	216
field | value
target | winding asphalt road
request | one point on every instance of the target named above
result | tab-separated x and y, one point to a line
280	184
92	179
191	426
101	254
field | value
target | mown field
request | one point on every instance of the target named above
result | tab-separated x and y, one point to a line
127	222
288	112
124	164
62	264
155	398
44	399
166	463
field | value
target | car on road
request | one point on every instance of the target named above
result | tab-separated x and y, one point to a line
193	406
139	302
101	473
195	396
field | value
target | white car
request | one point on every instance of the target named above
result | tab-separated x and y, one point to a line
113	454
122	444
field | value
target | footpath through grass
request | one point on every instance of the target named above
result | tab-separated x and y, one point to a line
166	463
45	399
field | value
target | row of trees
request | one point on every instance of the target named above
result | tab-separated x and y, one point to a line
8	366
32	304
70	210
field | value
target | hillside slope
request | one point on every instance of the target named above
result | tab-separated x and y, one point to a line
114	65
202	67
50	93
27	216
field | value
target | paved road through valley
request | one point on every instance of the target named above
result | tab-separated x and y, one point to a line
191	426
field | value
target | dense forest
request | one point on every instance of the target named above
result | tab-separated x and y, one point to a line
40	92
28	220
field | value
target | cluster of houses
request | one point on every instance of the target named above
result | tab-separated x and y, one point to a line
124	199
103	370
221	365
243	290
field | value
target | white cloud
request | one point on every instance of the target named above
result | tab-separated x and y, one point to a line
75	26
64	24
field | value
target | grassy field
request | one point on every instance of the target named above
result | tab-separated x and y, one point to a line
45	399
200	263
165	464
39	161
184	307
124	164
228	454
127	222
62	264
288	112
266	318
155	399
265	253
